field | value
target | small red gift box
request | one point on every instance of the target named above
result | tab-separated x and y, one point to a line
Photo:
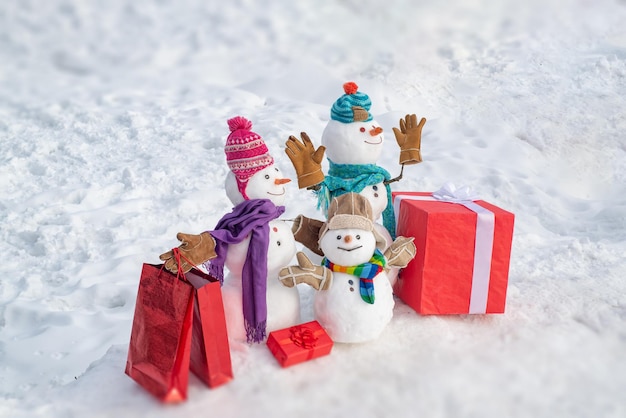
463	253
299	343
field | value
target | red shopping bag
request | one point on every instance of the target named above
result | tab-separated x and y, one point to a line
179	325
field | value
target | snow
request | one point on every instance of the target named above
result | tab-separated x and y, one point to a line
112	124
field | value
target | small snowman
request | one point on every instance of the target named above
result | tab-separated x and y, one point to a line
354	302
353	142
251	242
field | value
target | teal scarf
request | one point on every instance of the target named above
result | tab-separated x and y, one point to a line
346	178
365	272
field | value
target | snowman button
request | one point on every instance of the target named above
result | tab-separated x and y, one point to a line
375	194
352	289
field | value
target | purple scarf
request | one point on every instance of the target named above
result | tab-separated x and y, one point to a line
250	217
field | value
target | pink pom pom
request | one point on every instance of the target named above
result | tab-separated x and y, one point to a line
350	87
239	122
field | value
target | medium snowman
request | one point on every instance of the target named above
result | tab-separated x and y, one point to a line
251	242
353	142
354	302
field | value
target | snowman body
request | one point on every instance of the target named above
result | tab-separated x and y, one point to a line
346	317
340	309
283	303
377	196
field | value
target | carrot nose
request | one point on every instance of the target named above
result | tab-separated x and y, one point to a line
376	131
281	181
347	239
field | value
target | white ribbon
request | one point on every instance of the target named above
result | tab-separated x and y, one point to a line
483	245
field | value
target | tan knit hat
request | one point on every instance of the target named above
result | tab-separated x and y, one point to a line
350	210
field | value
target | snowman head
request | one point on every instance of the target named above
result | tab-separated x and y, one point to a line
348	246
353	143
348	237
352	136
282	246
267	183
246	152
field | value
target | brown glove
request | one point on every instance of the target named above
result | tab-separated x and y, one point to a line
318	277
307	231
409	138
306	160
400	252
194	250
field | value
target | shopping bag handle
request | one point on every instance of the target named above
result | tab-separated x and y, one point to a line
180	275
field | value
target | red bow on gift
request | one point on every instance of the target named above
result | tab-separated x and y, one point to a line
302	336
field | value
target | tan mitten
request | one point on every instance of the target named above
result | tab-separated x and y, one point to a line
194	250
318	277
306	160
409	138
400	252
306	231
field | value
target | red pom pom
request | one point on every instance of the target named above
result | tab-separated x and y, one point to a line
350	87
239	122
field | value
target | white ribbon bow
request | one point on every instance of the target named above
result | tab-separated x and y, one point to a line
450	193
483	245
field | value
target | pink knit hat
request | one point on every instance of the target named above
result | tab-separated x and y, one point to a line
246	152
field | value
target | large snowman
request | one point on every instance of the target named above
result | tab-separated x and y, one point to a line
354	302
353	142
251	242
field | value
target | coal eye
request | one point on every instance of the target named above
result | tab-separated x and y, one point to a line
267	176
358	237
278	243
275	168
375	188
362	129
338	236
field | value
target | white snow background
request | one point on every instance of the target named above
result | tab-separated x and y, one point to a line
112	125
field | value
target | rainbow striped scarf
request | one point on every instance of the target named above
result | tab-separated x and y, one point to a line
365	272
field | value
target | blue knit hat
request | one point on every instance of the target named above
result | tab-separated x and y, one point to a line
352	106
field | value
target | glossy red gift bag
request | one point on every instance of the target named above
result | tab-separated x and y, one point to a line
179	325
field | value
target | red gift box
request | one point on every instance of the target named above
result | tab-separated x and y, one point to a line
463	254
299	343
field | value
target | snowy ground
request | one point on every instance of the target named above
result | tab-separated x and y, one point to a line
112	124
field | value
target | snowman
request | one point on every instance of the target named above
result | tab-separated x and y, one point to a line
353	142
250	242
354	302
